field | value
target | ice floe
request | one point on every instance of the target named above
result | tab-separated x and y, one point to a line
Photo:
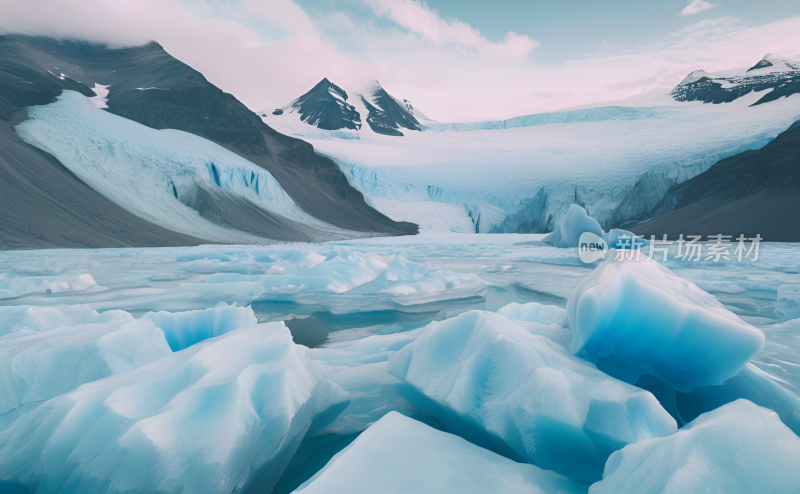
522	395
740	448
223	415
398	455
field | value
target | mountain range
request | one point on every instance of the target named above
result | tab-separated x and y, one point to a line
107	147
620	160
48	204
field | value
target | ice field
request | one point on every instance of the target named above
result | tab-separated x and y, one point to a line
421	359
617	159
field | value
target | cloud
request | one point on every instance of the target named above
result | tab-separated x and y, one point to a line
445	67
697	6
421	19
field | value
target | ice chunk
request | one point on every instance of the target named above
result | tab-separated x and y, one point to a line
184	329
17	318
623	239
544	320
410	283
23	285
640	315
400	455
359	367
522	395
224	415
336	272
781	354
739	448
751	384
37	366
571	227
535	312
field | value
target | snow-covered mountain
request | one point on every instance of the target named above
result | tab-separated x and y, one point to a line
780	75
130	147
329	107
617	159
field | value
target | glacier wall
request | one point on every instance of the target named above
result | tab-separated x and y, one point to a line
155	174
617	161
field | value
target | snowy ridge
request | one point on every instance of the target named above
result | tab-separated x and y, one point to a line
328	107
773	72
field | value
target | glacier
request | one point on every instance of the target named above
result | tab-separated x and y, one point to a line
737	448
155	174
400	455
639	317
616	159
522	395
223	415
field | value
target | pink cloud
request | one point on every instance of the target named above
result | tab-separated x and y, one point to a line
445	67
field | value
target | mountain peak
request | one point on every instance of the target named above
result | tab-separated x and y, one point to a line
329	107
773	72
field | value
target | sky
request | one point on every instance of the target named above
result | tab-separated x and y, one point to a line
456	60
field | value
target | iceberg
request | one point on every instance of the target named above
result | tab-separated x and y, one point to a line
576	222
497	385
184	329
38	365
18	318
740	448
398	455
751	384
410	283
224	415
544	320
535	312
637	317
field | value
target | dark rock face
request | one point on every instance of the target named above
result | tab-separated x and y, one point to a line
713	89
387	116
151	87
326	107
754	192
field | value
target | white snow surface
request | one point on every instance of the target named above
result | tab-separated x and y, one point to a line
224	415
398	455
531	168
642	314
146	171
494	383
740	448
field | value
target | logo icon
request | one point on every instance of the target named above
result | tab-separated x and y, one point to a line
591	247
